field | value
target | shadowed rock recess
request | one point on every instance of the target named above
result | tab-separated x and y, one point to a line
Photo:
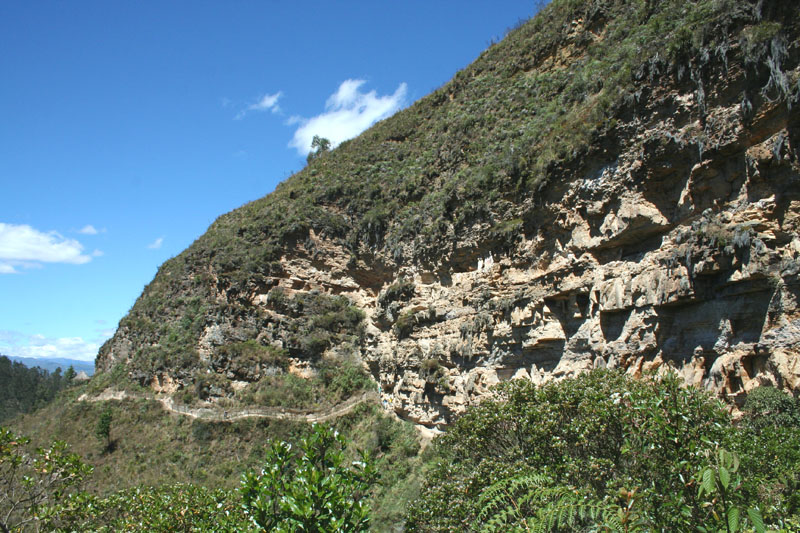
615	184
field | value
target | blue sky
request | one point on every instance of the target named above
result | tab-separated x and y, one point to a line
127	128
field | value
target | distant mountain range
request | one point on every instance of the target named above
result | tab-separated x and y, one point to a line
50	364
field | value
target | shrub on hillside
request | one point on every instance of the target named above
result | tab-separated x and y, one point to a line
771	407
32	484
310	491
613	440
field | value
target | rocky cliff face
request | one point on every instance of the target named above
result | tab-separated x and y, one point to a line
670	238
695	269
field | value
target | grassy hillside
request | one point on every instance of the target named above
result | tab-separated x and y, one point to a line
151	447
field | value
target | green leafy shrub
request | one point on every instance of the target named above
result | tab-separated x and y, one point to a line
400	290
171	507
332	382
599	433
768	406
317	321
251	353
768	445
404	324
429	366
345	379
720	482
285	390
207	386
312	490
32	484
603	451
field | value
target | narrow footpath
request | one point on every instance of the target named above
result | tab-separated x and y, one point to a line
215	414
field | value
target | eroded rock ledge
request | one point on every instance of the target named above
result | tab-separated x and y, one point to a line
694	269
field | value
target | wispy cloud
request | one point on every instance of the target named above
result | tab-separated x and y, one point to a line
156	244
26	247
20	345
268	102
348	112
88	230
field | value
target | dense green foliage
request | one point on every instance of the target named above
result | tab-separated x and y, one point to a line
720	482
162	509
317	321
767	407
33	484
598	452
24	389
605	448
41	491
331	383
313	490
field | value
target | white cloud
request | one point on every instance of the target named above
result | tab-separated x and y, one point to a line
348	112
268	102
22	245
88	230
156	244
17	344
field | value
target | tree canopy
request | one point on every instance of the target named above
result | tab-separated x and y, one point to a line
24	389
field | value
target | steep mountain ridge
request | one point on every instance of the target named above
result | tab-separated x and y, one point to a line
614	184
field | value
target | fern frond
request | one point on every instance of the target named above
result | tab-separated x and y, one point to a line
533	502
503	506
574	510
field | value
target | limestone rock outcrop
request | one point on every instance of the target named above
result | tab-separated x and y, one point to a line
672	241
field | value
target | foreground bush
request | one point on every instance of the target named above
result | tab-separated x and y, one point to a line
310	491
313	490
605	451
167	508
33	483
